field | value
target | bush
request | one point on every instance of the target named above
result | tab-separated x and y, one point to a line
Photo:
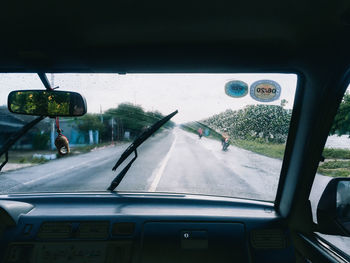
41	141
267	122
39	160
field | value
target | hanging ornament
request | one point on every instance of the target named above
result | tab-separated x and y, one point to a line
61	142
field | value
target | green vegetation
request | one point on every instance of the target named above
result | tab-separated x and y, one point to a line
335	168
336	164
90	122
125	117
274	150
26	156
341	123
334	172
41	141
38	160
330	153
133	118
268	122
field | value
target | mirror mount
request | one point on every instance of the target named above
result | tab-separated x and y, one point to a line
45	81
333	210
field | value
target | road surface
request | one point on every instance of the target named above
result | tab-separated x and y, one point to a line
171	161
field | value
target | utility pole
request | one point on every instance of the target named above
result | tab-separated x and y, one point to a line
101	116
112	129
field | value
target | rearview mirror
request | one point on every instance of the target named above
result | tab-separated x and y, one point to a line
333	210
46	103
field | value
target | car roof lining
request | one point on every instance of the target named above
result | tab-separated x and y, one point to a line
134	36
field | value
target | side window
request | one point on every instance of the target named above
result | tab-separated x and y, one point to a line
335	165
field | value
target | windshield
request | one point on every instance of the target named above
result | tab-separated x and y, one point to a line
227	139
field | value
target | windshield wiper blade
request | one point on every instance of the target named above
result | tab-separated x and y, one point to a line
132	148
13	139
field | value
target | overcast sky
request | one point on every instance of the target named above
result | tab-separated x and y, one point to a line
196	96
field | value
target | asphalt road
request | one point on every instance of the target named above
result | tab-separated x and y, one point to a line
171	161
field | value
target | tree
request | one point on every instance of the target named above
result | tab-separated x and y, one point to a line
40	141
90	122
133	118
341	123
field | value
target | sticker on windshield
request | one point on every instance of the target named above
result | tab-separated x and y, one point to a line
236	88
265	90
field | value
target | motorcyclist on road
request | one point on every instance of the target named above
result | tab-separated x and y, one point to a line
200	132
225	140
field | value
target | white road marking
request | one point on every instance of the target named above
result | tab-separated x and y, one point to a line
158	172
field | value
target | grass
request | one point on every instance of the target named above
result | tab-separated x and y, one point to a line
89	148
335	168
334	172
273	150
26	156
336	164
330	153
276	150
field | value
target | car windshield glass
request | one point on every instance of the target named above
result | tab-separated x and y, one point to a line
228	138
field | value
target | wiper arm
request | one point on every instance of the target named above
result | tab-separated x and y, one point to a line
13	139
132	148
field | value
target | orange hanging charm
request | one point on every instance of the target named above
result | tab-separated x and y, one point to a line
61	142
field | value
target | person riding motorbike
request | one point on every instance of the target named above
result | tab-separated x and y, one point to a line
225	141
200	133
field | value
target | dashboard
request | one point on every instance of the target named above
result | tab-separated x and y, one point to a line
115	227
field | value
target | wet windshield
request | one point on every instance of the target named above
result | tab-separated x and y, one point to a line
228	138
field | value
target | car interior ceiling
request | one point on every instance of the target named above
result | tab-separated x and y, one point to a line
303	37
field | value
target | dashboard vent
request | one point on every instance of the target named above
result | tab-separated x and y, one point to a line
123	228
55	230
93	230
268	239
